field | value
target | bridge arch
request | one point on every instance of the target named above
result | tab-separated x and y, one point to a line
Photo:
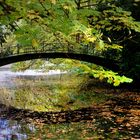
107	63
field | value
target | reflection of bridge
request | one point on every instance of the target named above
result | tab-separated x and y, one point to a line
11	57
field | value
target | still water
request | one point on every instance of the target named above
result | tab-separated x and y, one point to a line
40	106
11	130
10	83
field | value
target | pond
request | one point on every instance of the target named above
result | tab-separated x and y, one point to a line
35	91
39	106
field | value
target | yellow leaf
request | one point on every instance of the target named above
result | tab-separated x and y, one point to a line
35	43
101	77
90	38
99	45
65	7
53	1
116	83
86	68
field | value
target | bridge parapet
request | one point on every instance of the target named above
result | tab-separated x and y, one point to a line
16	50
14	55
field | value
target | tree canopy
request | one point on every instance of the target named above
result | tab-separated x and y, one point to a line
109	28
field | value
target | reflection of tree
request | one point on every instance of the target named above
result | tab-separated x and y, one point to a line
104	119
11	130
110	113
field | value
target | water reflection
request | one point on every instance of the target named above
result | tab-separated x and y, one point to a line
14	87
12	130
9	83
7	76
65	111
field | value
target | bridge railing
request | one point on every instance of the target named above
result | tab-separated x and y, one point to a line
15	50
